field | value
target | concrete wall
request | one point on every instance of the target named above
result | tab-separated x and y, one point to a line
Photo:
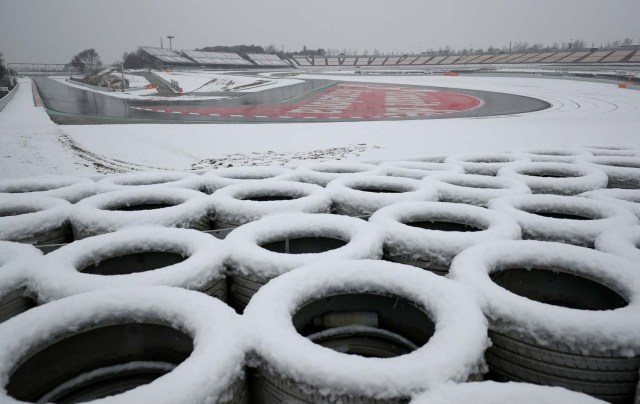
5	100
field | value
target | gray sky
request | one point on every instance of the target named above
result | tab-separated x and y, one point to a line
53	31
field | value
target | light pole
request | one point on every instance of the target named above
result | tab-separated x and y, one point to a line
170	44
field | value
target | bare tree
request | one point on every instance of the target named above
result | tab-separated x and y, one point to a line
87	60
627	42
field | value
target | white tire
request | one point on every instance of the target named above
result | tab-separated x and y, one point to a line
172	179
323	173
474	189
557	178
626	198
215	179
485	163
16	263
71	189
37	220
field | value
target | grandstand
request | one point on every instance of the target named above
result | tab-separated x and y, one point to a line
267	60
216	58
167	56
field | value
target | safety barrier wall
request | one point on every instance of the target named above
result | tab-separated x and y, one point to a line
5	100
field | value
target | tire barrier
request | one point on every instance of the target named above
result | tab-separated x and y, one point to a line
621	242
557	178
157	206
144	345
485	163
389	336
474	189
16	260
623	172
323	173
416	170
144	256
37	220
626	198
558	315
363	194
238	204
274	245
71	189
500	393
172	179
429	235
220	178
565	219
612	150
558	155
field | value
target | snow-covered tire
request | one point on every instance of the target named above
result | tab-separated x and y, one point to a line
485	163
71	189
502	393
557	178
172	179
16	262
262	250
363	194
238	204
323	173
112	343
621	242
215	179
623	172
416	170
558	315
611	150
565	219
474	189
157	206
144	256
626	198
558	155
433	331
430	234
37	220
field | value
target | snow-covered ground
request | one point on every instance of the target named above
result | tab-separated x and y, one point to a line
209	82
582	113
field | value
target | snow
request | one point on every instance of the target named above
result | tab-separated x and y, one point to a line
559	155
216	361
203	265
627	198
10	251
502	393
209	82
529	211
23	218
100	213
173	179
414	169
623	171
436	246
474	189
454	352
71	189
215	179
556	178
16	263
484	163
234	205
247	257
594	332
325	172
623	242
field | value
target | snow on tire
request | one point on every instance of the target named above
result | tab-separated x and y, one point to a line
37	220
158	206
363	194
215	179
566	219
474	189
137	345
626	198
393	330
262	250
71	189
559	315
623	172
485	163
323	173
416	170
144	256
173	179
238	204
430	234
502	393
622	242
558	155
16	262
611	150
557	178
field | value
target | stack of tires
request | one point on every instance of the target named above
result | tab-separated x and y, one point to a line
434	279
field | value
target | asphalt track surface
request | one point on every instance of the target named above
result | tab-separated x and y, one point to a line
310	101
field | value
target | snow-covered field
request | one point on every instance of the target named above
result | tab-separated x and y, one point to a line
209	82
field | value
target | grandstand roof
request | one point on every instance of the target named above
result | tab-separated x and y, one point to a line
166	55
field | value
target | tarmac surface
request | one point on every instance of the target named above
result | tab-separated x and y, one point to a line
310	101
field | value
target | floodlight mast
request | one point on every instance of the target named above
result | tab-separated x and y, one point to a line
170	44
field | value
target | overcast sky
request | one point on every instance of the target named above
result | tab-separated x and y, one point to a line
53	31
